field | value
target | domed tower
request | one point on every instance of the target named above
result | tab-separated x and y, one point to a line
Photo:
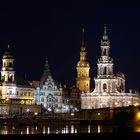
7	70
83	79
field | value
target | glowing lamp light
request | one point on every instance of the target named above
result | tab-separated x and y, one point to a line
136	104
72	114
35	113
49	109
28	110
138	115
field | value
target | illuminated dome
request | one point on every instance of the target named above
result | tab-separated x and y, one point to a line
8	54
83	64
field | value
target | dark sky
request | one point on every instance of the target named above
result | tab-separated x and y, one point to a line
39	29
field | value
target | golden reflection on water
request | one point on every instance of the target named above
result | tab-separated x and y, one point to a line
99	128
44	130
27	130
88	128
72	129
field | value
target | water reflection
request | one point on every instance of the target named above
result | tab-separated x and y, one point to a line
88	128
99	129
63	129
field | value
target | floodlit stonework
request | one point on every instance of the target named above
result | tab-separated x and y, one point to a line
49	94
109	91
15	92
83	67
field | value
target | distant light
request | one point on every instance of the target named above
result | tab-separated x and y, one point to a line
49	109
28	110
72	114
35	113
136	104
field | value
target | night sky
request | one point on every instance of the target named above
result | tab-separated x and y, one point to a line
39	29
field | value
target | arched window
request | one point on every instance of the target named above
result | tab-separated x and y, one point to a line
105	71
104	51
10	78
4	64
3	77
104	87
10	64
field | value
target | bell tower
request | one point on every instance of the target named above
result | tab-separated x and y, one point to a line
83	79
106	82
105	65
7	70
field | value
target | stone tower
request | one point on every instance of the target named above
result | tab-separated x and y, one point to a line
105	81
7	70
83	79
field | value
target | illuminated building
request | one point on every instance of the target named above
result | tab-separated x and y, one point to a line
16	94
83	79
49	94
109	89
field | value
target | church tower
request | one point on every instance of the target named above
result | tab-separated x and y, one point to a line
109	91
7	70
105	81
83	79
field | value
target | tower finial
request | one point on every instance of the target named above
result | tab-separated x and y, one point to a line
105	40
47	68
104	29
8	46
83	31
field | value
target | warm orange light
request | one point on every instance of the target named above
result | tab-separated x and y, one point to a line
72	114
137	117
138	114
136	104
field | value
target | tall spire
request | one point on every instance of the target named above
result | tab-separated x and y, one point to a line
8	46
46	73
83	43
104	29
46	68
83	79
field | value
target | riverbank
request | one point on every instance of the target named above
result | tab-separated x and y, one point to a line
37	121
108	136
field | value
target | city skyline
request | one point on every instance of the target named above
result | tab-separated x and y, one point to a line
54	30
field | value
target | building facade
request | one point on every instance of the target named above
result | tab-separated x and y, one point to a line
109	89
15	92
49	94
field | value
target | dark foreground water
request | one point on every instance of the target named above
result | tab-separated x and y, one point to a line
64	129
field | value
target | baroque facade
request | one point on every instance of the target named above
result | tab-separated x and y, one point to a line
109	89
15	91
49	94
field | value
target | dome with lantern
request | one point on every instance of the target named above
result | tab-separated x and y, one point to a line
8	53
